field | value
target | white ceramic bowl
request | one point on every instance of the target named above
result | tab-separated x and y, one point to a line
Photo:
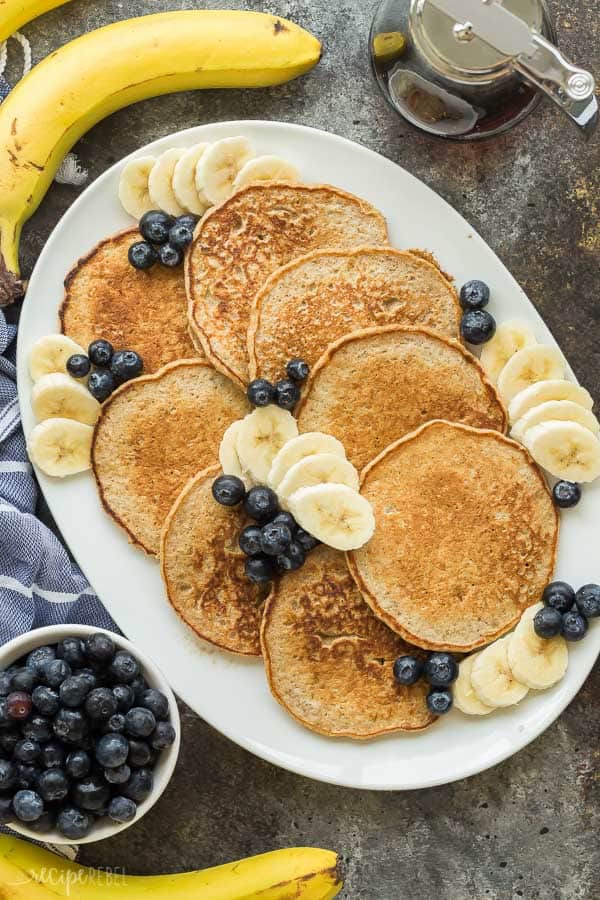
165	765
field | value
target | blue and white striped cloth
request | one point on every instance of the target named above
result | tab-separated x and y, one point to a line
39	583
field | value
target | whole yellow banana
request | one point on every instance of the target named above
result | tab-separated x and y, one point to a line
114	66
14	13
303	873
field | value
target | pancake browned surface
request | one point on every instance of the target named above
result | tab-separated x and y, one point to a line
203	569
238	244
465	536
155	433
372	387
329	661
105	297
314	300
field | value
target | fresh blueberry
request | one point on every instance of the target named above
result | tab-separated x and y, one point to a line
574	626
142	255
439	701
566	494
74	823
70	726
91	793
547	622
156	702
5	719
297	370
306	540
408	669
101	384
285	518
287	393
52	785
45	700
6	810
72	651
170	256
112	750
292	558
78	764
27	751
139	686
114	724
100	704
139	753
139	722
18	705
37	728
587	599
180	236
559	595
275	538
5	683
74	690
27	775
52	755
25	679
123	668
228	490
125	697
28	805
38	657
477	326
125	365
122	809
260	392
8	775
261	504
88	675
78	365
441	669
100	353
250	540
260	569
474	294
100	648
9	737
45	823
118	774
155	226
55	672
162	736
139	785
188	219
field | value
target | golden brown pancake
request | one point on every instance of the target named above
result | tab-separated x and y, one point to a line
319	298
372	387
105	297
329	661
238	244
465	536
153	435
203	569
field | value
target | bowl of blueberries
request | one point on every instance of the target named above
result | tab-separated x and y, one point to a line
89	734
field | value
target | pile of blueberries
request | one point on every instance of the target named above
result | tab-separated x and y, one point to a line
80	733
440	670
165	239
111	368
567	612
284	393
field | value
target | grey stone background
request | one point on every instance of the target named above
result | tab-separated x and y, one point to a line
529	827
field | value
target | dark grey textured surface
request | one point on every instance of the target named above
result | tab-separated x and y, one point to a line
527	828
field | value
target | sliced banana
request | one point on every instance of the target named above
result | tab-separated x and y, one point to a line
463	691
160	182
510	337
543	391
321	468
261	435
492	678
265	168
559	411
228	455
133	186
565	449
531	364
335	514
184	181
60	396
61	447
219	166
537	662
50	354
298	448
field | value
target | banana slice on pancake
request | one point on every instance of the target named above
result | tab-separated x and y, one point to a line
60	396
160	182
463	692
565	449
335	514
321	468
307	444
492	677
50	354
134	195
531	364
228	455
61	447
261	436
543	392
510	337
536	662
558	411
219	167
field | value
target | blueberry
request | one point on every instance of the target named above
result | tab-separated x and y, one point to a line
156	702
100	647
180	236
188	219
55	672
587	599
228	490
574	626
5	683
292	558
285	518
100	353
275	538
74	690
52	755
566	494
28	805
78	365
139	686
139	722
139	753
547	622
18	705
45	700
250	540
122	809
260	569
125	365
78	764
261	504
170	256
74	823
297	370
477	326
474	294
439	701
36	659
112	750
88	675
306	540
91	793
37	728
52	785
8	775
45	823
101	384
25	679
6	810
8	740
408	669
139	785
142	255
155	226
162	736
441	669
27	751
72	651
123	668
5	719
100	704
125	697
260	392
287	393
115	723
27	775
70	726
559	595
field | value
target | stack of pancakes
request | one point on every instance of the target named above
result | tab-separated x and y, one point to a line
466	531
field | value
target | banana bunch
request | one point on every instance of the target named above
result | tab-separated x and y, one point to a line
107	69
18	12
29	873
190	181
551	416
